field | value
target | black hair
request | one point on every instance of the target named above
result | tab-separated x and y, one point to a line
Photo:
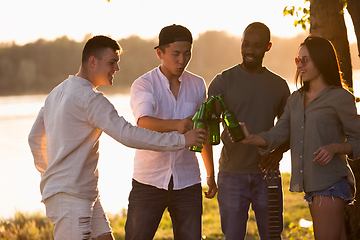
163	47
260	26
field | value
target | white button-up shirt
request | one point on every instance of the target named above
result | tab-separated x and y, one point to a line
64	139
151	96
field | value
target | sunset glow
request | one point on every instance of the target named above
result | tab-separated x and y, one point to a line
26	21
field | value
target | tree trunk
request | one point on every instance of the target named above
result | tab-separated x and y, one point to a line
352	214
327	20
353	7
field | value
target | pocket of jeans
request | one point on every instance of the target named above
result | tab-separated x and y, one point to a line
345	188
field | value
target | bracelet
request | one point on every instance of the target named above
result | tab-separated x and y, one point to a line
211	176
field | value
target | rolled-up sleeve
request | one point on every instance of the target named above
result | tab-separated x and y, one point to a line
347	113
37	143
142	100
277	135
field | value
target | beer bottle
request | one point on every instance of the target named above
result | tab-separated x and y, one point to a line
196	116
231	121
200	122
213	122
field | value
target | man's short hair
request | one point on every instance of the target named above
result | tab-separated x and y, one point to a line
260	26
95	46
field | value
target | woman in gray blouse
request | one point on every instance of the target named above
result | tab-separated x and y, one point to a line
323	126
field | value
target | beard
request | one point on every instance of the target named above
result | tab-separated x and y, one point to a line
257	62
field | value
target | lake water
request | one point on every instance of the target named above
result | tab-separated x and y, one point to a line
19	180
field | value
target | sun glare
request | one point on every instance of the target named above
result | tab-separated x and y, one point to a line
26	21
305	223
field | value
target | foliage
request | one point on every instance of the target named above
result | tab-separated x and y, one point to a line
26	227
302	13
297	232
36	68
357	99
304	17
36	226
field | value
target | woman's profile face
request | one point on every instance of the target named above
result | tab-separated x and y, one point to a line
306	66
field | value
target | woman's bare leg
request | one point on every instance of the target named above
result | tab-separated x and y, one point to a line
328	218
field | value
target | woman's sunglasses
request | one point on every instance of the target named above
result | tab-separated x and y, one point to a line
303	61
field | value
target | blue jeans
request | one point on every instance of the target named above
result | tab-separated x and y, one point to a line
148	203
235	194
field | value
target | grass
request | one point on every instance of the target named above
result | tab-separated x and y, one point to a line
35	226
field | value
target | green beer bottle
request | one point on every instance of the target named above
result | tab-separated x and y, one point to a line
200	122
231	121
196	116
213	122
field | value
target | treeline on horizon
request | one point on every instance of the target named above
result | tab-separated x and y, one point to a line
36	68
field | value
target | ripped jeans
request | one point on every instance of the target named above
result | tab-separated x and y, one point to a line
76	218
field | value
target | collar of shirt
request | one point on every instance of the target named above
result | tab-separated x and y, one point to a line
165	80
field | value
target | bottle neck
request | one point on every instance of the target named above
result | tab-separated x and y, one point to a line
223	106
210	106
202	111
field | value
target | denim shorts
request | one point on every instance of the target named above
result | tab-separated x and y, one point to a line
341	189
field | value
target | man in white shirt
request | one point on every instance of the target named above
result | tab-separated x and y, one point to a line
64	143
164	100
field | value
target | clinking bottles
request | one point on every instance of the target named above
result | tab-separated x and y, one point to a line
213	122
231	121
200	122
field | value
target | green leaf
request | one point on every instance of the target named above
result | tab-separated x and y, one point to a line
289	11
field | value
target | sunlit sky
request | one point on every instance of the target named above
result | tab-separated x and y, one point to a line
23	21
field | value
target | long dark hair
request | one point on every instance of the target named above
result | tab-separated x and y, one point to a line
324	56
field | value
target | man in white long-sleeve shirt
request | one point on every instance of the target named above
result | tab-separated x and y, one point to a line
64	143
